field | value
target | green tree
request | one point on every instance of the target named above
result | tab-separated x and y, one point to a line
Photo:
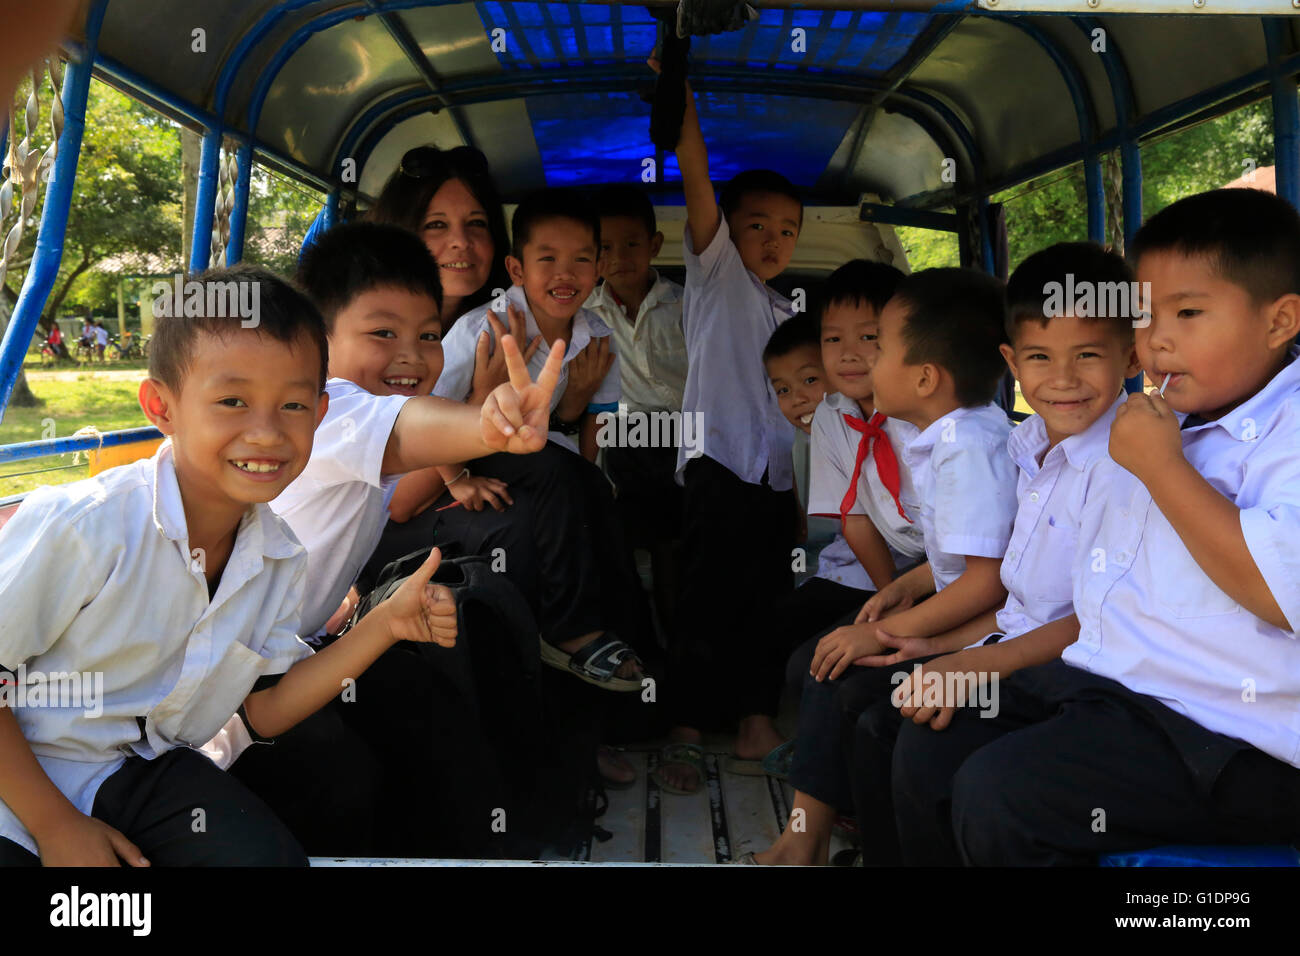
126	200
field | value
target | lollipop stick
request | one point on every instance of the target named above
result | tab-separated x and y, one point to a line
1165	383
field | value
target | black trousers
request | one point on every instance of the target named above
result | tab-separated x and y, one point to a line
827	761
1074	766
154	802
561	542
737	563
324	781
649	500
808	611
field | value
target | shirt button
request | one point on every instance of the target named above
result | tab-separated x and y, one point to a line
1122	557
1033	496
1011	555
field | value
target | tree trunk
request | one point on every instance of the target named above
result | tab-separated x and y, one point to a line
53	305
191	151
22	396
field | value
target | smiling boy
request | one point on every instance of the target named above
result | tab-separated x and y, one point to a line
181	587
1175	708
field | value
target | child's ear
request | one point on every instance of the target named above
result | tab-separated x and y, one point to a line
1134	363
656	243
1009	354
156	400
927	380
322	406
516	270
1284	323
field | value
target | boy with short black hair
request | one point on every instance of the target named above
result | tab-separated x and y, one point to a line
643	309
1184	588
740	514
554	262
937	367
191	526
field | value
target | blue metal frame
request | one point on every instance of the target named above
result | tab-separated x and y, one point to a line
27	450
48	256
1121	89
1286	115
1112	60
205	199
1086	112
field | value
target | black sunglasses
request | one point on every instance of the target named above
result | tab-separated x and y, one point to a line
425	161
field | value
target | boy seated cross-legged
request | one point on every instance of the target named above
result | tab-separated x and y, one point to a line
1172	718
935	368
179	599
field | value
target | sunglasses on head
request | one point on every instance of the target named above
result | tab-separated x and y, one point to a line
425	161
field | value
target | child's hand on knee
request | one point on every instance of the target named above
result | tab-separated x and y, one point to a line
841	647
85	841
421	611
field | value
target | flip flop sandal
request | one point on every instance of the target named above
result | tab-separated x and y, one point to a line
690	754
597	662
775	764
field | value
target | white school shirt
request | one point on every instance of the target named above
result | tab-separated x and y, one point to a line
834	452
728	315
458	356
97	577
1036	569
651	350
338	506
1150	618
101	335
965	486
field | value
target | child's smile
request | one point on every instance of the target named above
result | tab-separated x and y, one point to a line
558	272
388	341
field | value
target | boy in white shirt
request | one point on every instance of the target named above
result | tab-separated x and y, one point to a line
1071	361
935	367
555	261
853	473
740	517
186	538
1174	711
644	311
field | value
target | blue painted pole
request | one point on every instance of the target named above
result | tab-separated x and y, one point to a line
1095	191
1286	117
54	216
330	216
239	211
205	201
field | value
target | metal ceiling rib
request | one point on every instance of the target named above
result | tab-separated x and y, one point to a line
315	80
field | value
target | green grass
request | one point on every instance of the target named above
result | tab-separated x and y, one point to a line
108	404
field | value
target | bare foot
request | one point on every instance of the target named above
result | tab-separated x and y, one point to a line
757	738
628	670
614	767
682	776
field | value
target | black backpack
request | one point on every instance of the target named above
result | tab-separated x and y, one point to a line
540	765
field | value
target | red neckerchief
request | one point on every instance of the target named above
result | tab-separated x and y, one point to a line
886	462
